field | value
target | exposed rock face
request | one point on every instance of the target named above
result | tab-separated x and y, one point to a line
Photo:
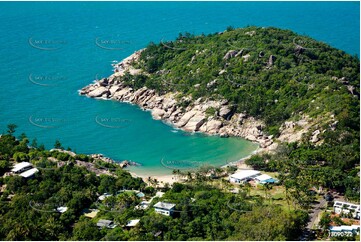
315	137
271	60
230	54
246	57
225	112
99	92
293	131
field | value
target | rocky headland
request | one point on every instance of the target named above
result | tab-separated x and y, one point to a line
195	117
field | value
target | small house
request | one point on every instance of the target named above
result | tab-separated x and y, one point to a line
103	223
243	176
142	205
132	223
164	208
62	209
104	196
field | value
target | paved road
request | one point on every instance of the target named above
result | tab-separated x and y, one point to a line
307	232
315	212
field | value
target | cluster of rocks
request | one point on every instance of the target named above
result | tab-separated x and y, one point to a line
122	164
351	89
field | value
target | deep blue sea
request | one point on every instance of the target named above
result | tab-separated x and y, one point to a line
49	50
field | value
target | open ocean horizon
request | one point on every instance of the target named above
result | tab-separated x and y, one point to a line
50	50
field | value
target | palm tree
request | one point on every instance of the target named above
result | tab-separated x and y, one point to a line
267	187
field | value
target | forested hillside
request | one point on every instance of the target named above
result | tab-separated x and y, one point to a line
277	76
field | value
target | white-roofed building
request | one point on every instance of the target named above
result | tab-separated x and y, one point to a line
103	223
62	209
242	176
264	178
164	208
132	223
29	173
142	205
159	194
346	208
104	196
21	167
344	230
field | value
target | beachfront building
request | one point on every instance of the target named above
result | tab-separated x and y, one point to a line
264	179
346	208
243	176
103	223
164	208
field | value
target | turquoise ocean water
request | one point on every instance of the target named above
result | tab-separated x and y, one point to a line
48	51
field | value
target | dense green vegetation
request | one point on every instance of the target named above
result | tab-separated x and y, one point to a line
302	79
203	211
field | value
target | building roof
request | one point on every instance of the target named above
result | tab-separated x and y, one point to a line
20	166
105	223
104	196
243	174
159	194
29	173
142	205
90	213
263	177
132	223
140	194
62	209
347	205
163	205
344	228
